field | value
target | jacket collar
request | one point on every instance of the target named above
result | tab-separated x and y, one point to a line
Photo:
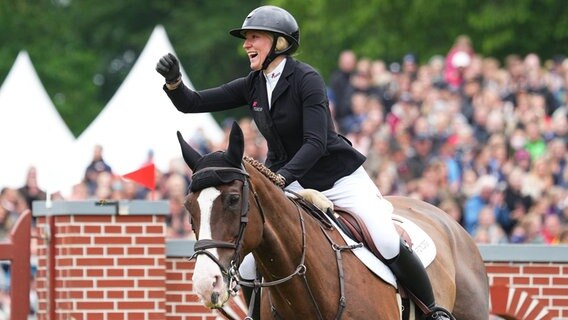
283	83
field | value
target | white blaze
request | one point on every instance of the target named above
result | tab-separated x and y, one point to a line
207	277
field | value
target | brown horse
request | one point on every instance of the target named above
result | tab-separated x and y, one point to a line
308	271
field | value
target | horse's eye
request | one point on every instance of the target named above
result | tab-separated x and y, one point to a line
233	200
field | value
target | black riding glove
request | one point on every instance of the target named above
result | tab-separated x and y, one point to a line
168	67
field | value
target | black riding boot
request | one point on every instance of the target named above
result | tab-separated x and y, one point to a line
247	294
410	271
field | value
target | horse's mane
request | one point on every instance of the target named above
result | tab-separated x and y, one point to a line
273	177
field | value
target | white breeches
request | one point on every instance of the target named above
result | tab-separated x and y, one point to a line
356	193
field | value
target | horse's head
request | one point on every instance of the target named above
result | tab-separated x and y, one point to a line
218	203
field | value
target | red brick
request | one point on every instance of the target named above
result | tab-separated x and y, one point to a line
559	281
95	273
66	229
136	272
155	229
135	294
74	284
95	262
150	240
541	269
115	272
95	219
64	262
115	283
70	251
134	229
95	294
136	305
189	308
90	229
75	294
171	287
136	261
175	276
501	280
135	316
116	316
115	294
158	272
157	250
106	305
95	251
133	218
113	229
173	297
76	273
72	240
183	264
157	294
156	316
541	280
502	269
135	251
555	291
62	219
151	283
113	240
115	251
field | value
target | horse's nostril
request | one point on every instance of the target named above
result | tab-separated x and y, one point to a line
215	298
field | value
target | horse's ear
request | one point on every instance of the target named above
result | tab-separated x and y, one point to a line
190	155
236	144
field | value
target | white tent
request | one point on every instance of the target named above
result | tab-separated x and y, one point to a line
31	130
140	117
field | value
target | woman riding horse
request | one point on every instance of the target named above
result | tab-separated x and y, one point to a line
307	269
288	102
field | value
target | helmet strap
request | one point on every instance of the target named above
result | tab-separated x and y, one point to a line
272	54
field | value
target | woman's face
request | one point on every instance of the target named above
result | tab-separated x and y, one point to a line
257	45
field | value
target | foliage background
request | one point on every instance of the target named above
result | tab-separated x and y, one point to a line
83	49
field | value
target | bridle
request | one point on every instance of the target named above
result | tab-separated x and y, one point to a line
202	245
232	272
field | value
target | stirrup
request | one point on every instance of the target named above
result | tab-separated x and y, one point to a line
439	313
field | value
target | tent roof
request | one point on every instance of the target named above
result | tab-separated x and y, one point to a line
140	118
33	133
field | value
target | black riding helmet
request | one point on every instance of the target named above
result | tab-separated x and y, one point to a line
276	21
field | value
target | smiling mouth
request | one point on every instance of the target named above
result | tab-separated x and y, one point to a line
253	55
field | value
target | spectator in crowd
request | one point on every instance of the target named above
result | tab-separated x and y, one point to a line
531	225
486	185
177	222
563	238
458	58
422	146
552	229
340	81
97	165
488	230
31	191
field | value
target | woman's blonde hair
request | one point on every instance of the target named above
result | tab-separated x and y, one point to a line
281	44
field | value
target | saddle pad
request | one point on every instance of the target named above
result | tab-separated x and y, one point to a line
422	244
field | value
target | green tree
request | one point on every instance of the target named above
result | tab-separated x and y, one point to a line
387	29
84	49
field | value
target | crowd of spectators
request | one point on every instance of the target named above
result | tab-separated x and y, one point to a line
482	139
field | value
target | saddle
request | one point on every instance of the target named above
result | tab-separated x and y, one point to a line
319	207
356	229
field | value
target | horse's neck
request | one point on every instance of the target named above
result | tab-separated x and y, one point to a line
281	246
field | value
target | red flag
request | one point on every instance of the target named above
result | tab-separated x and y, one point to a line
144	176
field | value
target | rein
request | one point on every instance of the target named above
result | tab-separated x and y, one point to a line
235	279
